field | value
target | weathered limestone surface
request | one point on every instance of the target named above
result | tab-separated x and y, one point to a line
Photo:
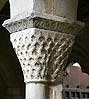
63	8
42	21
42	34
42	53
56	92
35	91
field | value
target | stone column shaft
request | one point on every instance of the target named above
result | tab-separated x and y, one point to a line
42	34
35	91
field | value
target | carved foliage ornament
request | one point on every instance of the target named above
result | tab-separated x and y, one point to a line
42	53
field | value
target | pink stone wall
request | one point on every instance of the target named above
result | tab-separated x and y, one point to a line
76	77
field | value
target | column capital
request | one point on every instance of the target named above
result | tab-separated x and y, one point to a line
42	53
42	36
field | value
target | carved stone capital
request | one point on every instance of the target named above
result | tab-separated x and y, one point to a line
42	43
42	36
42	53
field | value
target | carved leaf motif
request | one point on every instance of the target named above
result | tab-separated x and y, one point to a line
42	53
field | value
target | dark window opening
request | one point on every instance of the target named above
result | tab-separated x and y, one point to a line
87	87
78	86
87	95
72	94
67	86
77	94
83	95
66	94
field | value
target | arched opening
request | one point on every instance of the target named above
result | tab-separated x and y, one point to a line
11	77
80	51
